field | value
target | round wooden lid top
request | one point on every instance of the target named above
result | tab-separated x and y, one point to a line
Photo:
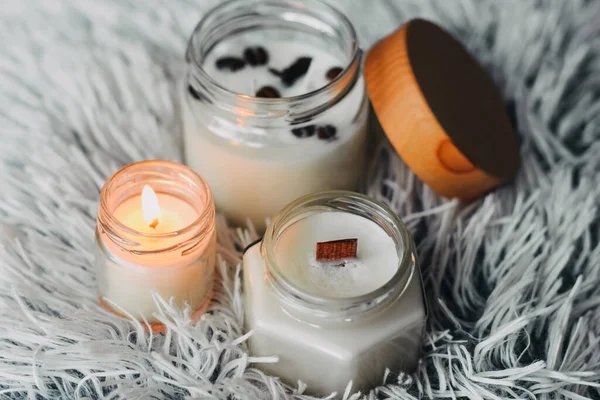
441	111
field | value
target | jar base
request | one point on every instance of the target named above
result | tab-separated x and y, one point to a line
159	327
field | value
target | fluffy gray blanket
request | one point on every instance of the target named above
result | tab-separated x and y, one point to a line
87	86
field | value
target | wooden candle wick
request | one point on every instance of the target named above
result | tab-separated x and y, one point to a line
337	250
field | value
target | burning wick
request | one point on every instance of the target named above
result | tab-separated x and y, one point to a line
150	207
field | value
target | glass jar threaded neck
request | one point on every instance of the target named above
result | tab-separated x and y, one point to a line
164	177
311	17
317	309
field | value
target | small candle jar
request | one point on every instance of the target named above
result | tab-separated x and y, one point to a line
333	322
155	234
274	105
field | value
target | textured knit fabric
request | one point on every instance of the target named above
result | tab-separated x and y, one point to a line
87	86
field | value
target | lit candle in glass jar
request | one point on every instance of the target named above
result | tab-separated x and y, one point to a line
274	105
155	234
334	291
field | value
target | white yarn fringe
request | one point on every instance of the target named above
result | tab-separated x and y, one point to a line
87	86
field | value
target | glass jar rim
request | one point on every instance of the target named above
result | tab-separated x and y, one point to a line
111	223
330	94
343	307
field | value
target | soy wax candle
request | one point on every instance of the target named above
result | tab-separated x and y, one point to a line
274	105
155	234
333	290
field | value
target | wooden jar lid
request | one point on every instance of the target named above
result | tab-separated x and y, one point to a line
441	111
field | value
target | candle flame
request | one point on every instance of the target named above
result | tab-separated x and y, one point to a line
150	206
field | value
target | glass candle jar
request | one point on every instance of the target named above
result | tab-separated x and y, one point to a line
274	105
330	322
155	234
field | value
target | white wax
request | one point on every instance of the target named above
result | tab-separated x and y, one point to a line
255	171
376	262
129	280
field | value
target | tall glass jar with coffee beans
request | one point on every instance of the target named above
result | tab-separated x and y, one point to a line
274	105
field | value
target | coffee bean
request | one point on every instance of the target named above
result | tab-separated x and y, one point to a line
333	73
304	132
194	93
250	56
295	71
326	132
262	56
231	63
268	92
256	56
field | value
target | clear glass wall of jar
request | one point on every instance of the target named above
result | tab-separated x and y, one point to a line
258	154
132	263
327	341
